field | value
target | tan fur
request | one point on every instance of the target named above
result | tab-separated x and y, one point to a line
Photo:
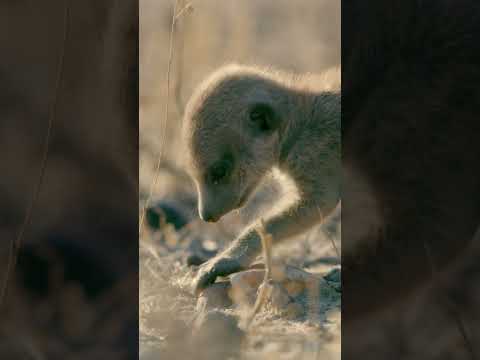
301	140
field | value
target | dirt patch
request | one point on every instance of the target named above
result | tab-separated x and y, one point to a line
176	324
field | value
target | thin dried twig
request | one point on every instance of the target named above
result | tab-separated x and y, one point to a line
176	16
266	239
177	87
17	243
185	9
163	124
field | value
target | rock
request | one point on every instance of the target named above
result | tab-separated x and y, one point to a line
171	210
197	254
333	278
164	213
289	290
283	273
278	270
334	275
215	296
249	278
278	296
294	288
293	279
293	273
245	285
294	310
195	260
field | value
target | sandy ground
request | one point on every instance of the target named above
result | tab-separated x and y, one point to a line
168	309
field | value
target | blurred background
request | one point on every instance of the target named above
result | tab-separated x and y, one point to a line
301	36
73	291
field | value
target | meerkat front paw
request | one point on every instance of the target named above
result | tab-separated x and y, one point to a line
209	271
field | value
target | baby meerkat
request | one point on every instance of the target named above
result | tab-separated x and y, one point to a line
242	123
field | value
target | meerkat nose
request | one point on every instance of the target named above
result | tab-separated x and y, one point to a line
211	218
207	216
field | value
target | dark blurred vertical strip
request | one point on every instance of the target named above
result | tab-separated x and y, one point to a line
73	292
411	199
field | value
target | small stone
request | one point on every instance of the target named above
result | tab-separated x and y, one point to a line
195	260
294	288
294	310
250	278
245	285
333	279
269	289
172	211
293	273
215	296
279	297
279	272
197	253
334	275
287	284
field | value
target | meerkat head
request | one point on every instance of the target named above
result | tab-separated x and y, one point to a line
231	129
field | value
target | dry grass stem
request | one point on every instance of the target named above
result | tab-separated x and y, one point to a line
163	125
179	101
185	9
266	239
17	243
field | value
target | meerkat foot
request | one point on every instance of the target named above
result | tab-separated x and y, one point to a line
209	271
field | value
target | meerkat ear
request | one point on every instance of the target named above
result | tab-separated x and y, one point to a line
263	119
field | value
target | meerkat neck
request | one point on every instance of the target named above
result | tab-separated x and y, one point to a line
301	110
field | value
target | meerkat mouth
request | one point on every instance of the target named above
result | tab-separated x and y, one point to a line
244	198
242	201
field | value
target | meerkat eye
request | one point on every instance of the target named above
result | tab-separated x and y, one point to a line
263	118
219	171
